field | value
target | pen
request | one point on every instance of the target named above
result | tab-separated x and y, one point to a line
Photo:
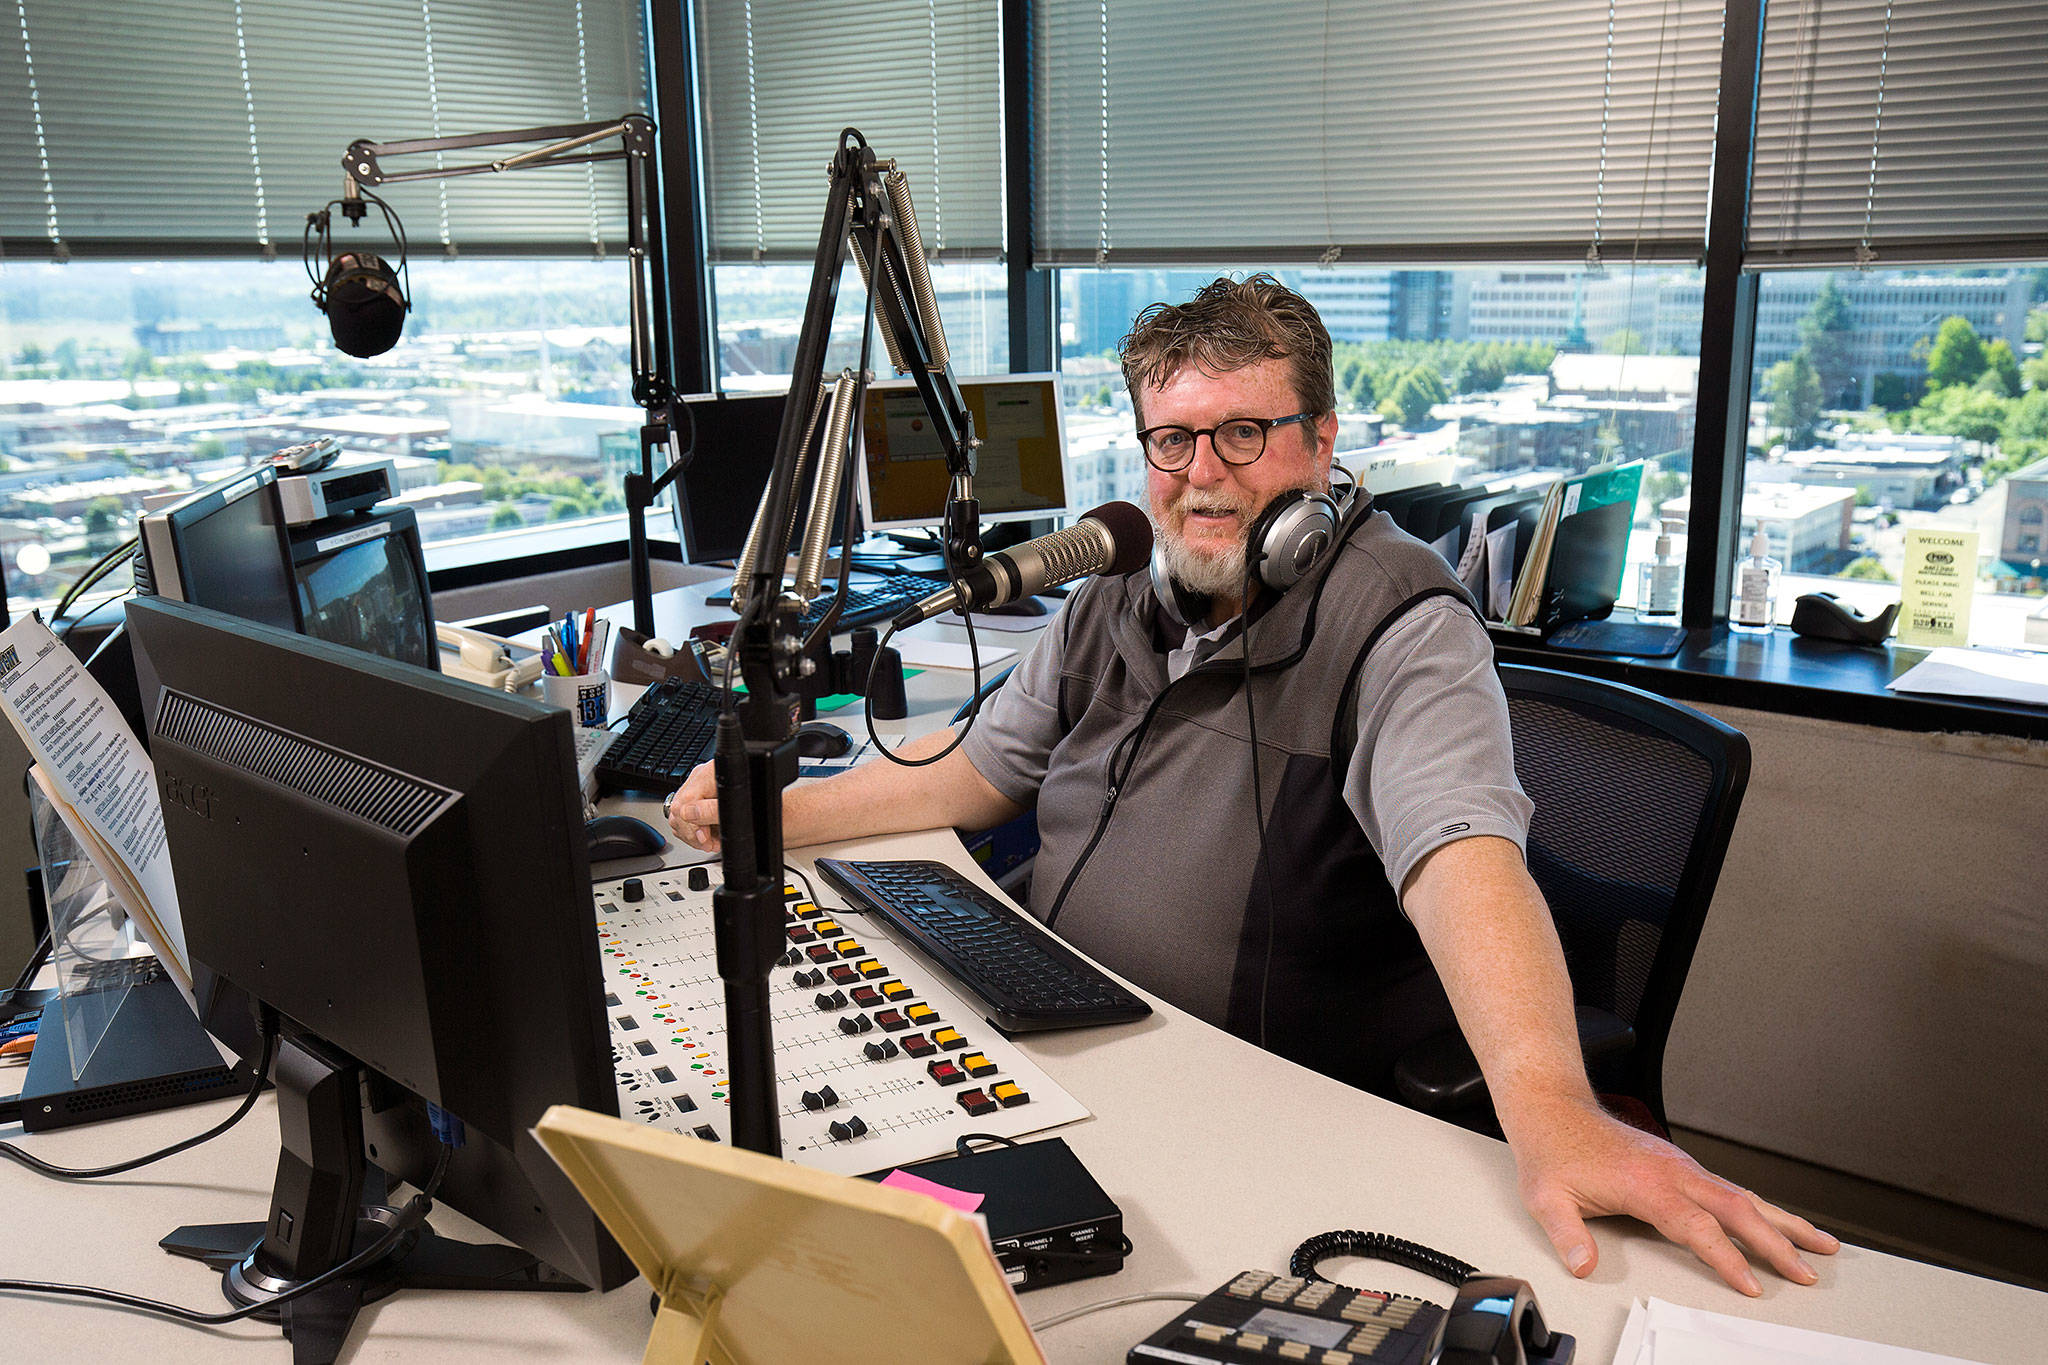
583	664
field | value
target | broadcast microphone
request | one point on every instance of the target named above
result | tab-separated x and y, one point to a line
1115	538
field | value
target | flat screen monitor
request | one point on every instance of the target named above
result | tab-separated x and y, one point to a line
361	581
732	453
1020	475
393	863
224	547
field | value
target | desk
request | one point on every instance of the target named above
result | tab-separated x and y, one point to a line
1222	1157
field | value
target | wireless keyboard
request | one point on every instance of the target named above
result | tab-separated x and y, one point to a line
669	732
865	604
1026	977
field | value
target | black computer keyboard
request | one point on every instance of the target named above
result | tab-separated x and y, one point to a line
669	731
865	603
1027	978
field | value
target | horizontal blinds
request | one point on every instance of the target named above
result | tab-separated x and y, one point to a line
188	127
921	81
1526	129
1914	138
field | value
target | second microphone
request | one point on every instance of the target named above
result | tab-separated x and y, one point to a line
1115	538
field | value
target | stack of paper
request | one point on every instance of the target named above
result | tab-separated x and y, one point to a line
1996	674
1660	1333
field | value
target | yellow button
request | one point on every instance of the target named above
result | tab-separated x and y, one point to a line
948	1037
872	968
1007	1094
895	990
918	1014
826	926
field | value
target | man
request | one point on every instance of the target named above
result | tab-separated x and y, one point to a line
1373	720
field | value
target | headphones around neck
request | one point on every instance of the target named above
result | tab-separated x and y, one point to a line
1283	544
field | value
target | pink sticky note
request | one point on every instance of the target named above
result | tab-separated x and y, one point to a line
917	1184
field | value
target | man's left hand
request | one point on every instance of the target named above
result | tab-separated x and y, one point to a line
1580	1162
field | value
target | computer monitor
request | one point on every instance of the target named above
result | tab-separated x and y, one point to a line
357	579
362	581
731	454
393	862
224	546
1020	474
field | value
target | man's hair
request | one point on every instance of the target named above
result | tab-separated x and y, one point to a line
1226	326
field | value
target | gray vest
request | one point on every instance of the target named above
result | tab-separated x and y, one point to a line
1150	857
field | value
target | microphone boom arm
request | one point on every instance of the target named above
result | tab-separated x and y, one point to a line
565	145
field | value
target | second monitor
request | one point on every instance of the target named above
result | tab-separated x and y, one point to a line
1020	475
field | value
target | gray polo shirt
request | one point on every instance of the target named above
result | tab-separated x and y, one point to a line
1433	754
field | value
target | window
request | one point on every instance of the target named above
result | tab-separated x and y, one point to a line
154	321
1886	400
1519	385
503	408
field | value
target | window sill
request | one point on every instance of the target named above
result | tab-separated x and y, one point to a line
475	560
1784	673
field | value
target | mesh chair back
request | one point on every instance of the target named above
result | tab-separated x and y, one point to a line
1635	799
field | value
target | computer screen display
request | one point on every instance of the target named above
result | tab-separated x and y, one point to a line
732	452
393	862
363	584
224	548
1020	474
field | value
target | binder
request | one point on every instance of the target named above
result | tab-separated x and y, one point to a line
1575	563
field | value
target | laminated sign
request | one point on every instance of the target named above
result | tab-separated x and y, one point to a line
1940	583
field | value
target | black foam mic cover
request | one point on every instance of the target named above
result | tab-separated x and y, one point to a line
364	305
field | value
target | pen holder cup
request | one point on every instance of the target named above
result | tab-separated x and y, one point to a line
585	696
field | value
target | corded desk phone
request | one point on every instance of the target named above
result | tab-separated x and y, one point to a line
488	660
1259	1316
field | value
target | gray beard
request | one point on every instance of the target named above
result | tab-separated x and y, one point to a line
1212	576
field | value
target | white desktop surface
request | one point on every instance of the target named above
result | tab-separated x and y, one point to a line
1221	1157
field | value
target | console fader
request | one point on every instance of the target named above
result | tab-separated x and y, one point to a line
877	1061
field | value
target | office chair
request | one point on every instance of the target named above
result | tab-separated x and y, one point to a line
1635	798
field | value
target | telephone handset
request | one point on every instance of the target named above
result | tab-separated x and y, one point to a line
488	660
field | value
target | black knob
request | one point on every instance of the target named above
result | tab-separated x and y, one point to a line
631	889
700	878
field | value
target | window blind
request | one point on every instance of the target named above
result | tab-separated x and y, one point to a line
920	79
1909	132
1375	130
212	127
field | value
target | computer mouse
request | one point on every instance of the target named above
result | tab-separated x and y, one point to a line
821	739
622	836
1023	606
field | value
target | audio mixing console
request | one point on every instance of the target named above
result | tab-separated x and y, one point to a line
877	1061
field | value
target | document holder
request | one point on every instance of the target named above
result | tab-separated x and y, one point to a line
756	1260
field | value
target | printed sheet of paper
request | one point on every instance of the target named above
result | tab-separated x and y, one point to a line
1660	1333
99	773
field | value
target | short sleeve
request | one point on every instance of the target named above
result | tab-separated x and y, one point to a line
1435	758
1019	725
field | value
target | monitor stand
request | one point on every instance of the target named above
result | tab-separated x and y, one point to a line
327	1203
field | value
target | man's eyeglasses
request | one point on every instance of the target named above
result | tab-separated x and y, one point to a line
1237	441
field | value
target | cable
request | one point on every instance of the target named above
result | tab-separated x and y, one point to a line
1380	1247
1083	1311
810	892
14	1153
974	654
411	1216
1251	722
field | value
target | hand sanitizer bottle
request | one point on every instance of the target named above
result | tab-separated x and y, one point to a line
1756	588
1662	583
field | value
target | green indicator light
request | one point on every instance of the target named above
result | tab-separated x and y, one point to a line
696	1066
718	1094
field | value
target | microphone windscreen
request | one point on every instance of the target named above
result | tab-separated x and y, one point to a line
365	310
1130	530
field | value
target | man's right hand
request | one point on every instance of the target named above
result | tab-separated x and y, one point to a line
693	810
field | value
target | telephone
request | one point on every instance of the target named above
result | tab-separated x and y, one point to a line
487	660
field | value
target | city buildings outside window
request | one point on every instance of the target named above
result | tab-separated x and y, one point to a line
507	405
